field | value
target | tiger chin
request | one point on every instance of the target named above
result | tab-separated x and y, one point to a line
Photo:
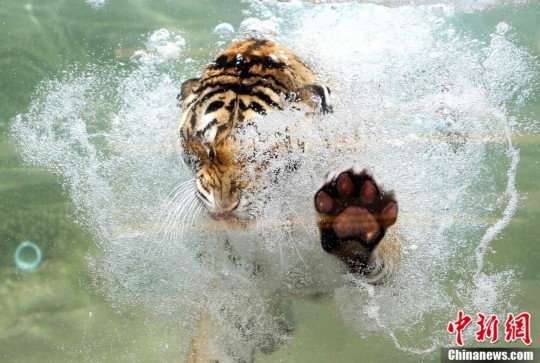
257	77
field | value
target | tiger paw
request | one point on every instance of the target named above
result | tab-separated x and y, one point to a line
353	215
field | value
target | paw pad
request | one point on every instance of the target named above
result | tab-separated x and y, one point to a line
352	206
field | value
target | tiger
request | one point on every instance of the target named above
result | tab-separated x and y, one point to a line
257	77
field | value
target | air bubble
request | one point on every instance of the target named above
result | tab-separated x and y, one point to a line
27	256
224	29
96	3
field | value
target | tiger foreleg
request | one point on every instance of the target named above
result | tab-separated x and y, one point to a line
353	216
202	349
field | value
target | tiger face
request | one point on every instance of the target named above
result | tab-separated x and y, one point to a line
250	78
220	179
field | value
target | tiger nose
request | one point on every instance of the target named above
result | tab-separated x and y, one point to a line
227	205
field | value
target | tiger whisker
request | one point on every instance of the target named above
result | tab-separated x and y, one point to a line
196	212
176	206
172	197
179	186
296	248
288	231
179	204
175	193
178	217
180	193
184	213
166	210
191	213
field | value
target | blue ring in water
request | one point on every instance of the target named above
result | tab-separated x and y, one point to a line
27	256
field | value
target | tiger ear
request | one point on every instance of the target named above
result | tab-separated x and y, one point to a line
188	87
316	96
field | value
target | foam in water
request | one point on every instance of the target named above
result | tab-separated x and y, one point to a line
429	110
96	3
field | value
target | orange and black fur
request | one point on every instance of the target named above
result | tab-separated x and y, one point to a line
251	77
255	77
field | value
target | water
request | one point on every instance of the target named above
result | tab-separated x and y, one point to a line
446	114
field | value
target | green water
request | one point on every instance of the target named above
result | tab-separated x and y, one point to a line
54	313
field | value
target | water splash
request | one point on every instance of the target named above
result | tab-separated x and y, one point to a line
429	109
464	5
96	4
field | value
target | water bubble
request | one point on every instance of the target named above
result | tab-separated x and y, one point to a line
27	256
224	29
96	3
502	28
257	27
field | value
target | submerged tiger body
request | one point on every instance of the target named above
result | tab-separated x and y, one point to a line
255	77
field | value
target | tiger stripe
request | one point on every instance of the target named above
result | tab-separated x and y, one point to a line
252	77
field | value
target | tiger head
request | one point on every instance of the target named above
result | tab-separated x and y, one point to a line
250	78
211	148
